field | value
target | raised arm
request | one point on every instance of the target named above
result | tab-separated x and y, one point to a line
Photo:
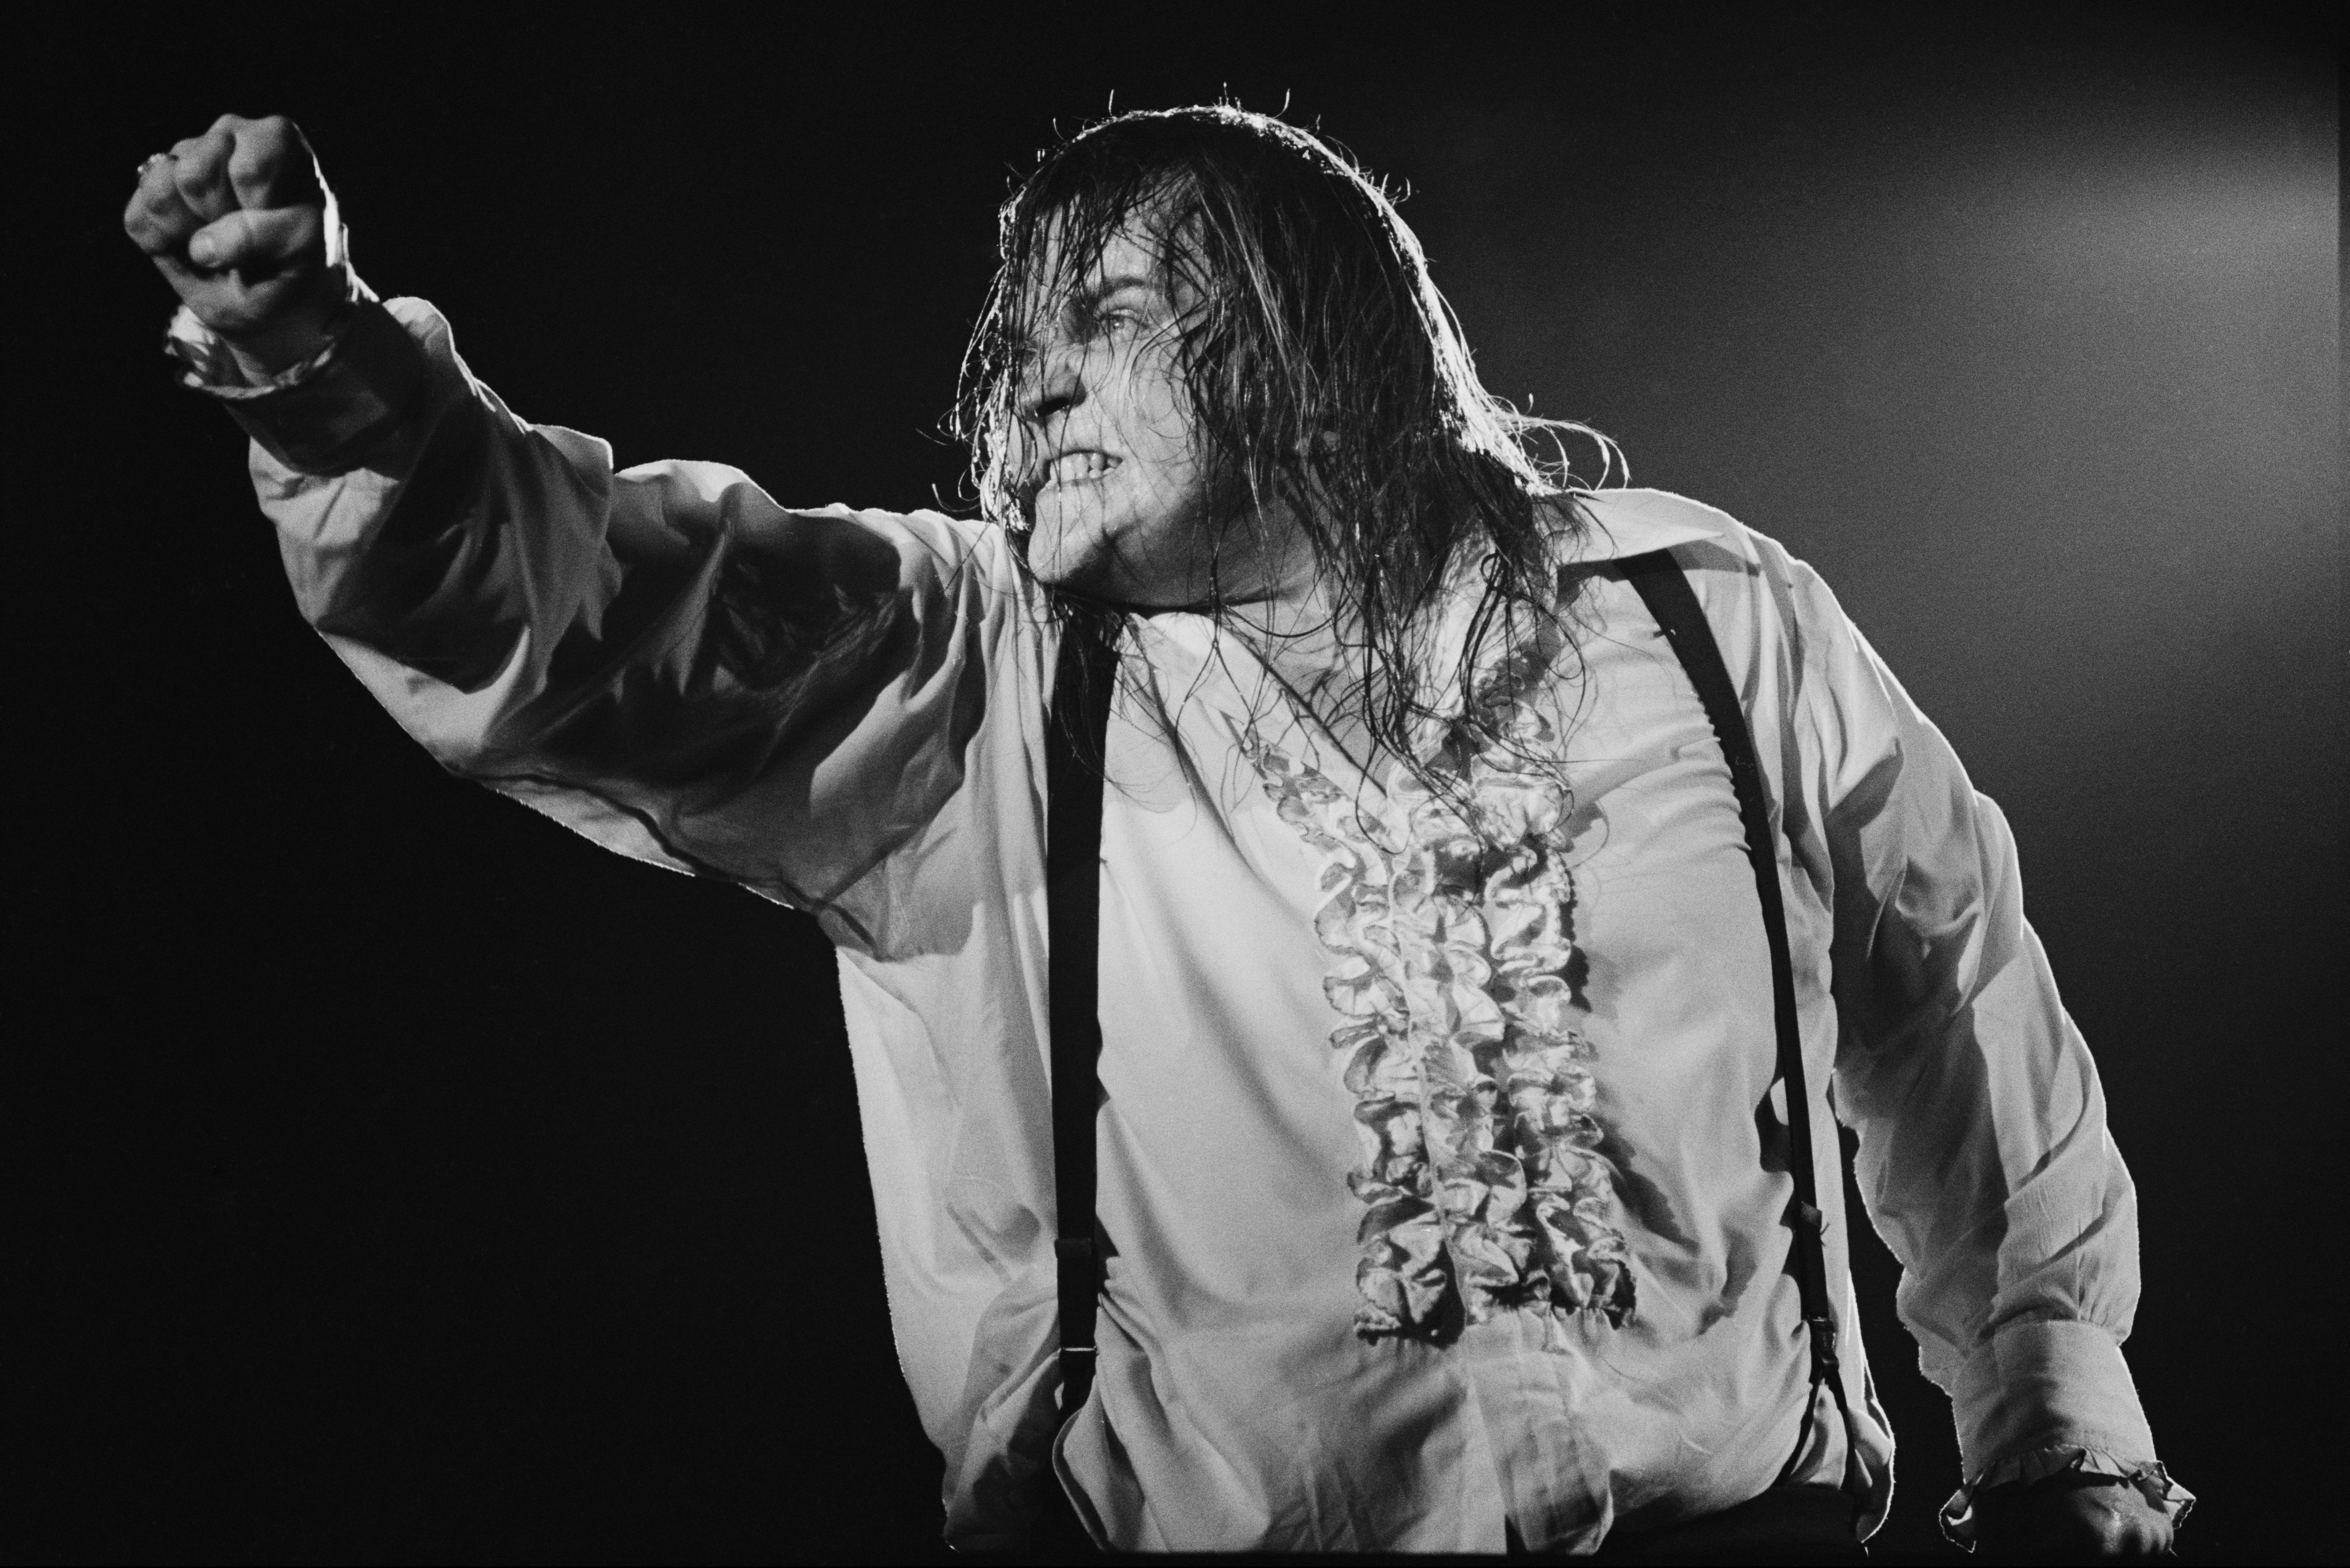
1984	1159
662	658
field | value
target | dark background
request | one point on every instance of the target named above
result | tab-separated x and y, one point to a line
394	1178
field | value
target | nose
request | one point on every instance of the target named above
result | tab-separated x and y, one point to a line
1050	384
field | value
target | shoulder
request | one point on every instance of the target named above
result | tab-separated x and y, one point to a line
1711	544
1629	522
970	554
1754	588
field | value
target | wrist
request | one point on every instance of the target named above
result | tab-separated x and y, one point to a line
304	332
238	362
262	359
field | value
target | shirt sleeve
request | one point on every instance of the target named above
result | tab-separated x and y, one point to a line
662	658
1984	1160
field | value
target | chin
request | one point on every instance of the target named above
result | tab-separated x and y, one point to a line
1093	575
1110	553
1069	548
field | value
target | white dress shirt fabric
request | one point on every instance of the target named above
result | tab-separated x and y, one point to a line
843	710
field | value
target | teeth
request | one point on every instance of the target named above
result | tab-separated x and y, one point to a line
1071	467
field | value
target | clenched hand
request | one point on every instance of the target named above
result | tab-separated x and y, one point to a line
241	224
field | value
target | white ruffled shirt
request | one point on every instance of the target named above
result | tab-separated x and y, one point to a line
1440	1166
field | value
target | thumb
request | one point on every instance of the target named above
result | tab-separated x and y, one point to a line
256	238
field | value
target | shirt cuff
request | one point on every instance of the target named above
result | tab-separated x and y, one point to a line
319	415
2039	1398
2153	1482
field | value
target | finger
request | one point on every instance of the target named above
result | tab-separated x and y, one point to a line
271	165
261	240
200	170
158	219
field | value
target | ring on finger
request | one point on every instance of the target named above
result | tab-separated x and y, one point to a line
152	160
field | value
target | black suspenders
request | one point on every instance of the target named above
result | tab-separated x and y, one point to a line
1083	677
1666	591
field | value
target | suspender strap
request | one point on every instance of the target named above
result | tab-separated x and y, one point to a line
1074	734
1666	591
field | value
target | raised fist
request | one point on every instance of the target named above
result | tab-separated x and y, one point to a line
241	223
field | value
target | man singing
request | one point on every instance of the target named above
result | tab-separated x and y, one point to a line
1486	883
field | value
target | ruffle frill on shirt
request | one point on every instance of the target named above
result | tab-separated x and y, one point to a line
1445	913
2152	1481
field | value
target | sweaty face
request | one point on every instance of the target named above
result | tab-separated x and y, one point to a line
1110	475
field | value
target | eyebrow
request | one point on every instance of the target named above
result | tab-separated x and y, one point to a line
1096	293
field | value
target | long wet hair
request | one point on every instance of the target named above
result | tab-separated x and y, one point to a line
1323	370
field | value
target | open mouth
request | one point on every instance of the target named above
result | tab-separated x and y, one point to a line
1075	468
